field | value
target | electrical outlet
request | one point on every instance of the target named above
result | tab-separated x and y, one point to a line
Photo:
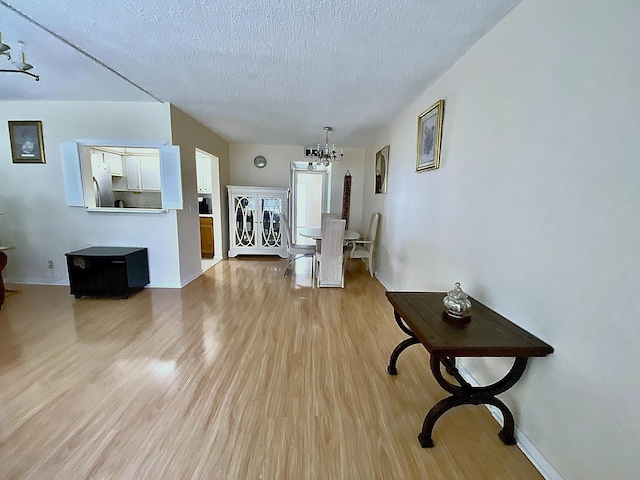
50	264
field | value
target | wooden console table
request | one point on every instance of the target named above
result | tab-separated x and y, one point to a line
485	334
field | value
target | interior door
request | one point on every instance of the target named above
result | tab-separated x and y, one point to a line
309	201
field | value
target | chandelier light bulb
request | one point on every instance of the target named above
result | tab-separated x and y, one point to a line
21	65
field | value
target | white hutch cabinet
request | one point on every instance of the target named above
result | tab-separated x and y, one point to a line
254	221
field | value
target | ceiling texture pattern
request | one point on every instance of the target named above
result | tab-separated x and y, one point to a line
254	71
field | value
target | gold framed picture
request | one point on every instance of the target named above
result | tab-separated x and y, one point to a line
429	137
27	145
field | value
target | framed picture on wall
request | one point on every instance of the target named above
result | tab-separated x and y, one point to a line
382	170
27	145
429	137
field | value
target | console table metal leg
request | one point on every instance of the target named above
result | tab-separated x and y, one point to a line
465	394
506	434
508	424
434	414
412	340
396	353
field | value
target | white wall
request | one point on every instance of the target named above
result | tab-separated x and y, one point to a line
277	171
536	211
189	135
38	221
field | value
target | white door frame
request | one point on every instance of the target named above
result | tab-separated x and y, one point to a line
216	207
298	168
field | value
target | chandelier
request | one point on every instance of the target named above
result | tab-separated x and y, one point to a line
21	65
325	155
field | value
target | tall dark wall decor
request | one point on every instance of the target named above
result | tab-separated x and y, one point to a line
346	198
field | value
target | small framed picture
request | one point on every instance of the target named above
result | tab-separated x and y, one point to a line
27	145
429	137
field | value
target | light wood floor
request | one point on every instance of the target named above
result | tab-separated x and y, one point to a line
242	374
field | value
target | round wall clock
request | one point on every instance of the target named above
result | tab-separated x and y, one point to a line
260	161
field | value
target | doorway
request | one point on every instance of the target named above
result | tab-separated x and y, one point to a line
210	212
310	199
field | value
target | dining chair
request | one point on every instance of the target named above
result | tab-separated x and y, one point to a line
365	247
323	220
330	259
328	216
295	251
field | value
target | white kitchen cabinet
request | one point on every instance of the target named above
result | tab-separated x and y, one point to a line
203	174
115	164
133	174
255	215
143	174
112	160
150	173
96	160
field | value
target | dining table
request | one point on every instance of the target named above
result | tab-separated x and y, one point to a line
316	234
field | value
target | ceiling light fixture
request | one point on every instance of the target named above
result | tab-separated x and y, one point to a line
75	47
21	65
326	155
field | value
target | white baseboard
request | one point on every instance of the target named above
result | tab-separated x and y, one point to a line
164	285
36	281
190	279
524	443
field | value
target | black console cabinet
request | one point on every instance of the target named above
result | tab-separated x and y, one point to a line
107	271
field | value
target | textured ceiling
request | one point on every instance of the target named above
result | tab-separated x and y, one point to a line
255	71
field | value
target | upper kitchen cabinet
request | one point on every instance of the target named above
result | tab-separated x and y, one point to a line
203	174
115	163
110	159
150	173
143	173
133	174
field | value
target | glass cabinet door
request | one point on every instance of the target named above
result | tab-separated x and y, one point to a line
245	215
271	213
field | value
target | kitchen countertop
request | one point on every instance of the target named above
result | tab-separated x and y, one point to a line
126	210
